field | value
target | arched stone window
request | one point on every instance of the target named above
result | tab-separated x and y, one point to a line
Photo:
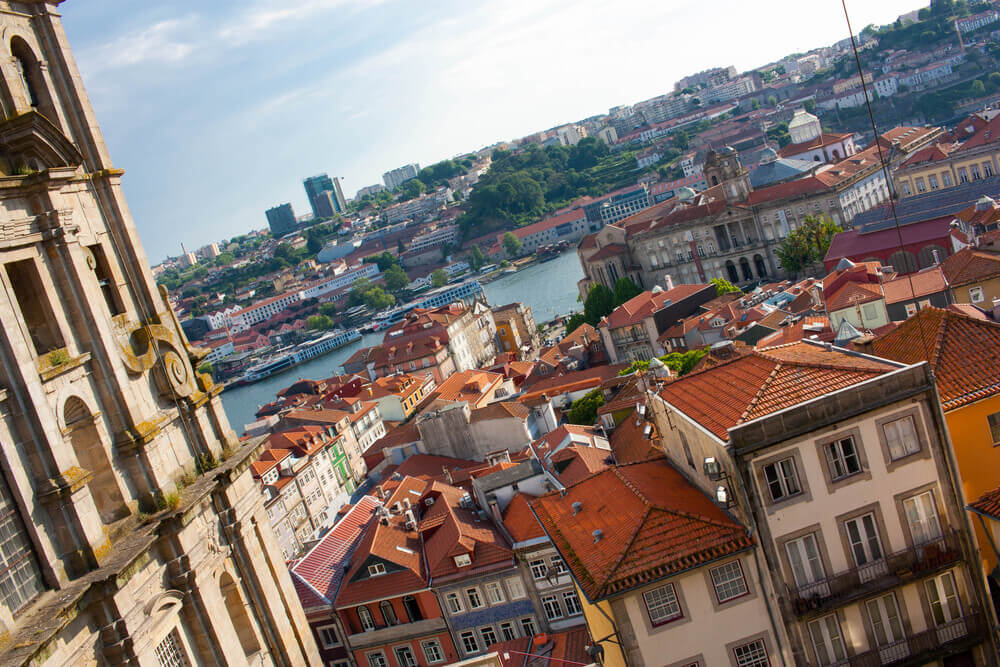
388	613
745	267
92	456
734	277
760	265
926	255
903	261
238	614
36	92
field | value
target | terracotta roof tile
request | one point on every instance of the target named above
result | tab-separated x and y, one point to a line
970	265
766	381
630	444
988	504
964	353
653	523
450	530
519	521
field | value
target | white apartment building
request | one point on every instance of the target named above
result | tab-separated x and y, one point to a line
444	234
261	311
345	279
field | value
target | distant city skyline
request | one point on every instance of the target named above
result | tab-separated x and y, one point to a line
218	113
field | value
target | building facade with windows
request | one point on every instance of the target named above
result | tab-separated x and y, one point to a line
132	534
660	568
971	153
473	572
855	496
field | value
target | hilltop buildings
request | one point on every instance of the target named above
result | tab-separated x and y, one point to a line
130	536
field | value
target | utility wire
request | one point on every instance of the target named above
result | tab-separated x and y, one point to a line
885	174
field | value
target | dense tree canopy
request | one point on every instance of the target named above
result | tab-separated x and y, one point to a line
583	411
439	278
808	244
723	286
511	244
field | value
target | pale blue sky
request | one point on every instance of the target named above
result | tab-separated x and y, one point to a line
218	109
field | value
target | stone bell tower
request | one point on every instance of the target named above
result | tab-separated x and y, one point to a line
130	529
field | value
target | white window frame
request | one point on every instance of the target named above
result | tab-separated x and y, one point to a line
945	604
435	654
895	442
571	602
528	626
976	294
922	517
786	478
662	605
379	658
332	629
538	568
468	638
887	625
485	633
494	593
827	640
454	602
376	569
805	561
865	544
410	660
508	630
838	459
751	654
515	589
551	607
366	615
463	560
726	576
475	600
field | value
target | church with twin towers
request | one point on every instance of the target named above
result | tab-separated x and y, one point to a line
130	528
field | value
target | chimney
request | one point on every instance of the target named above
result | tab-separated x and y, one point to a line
447	475
996	310
598	534
577	507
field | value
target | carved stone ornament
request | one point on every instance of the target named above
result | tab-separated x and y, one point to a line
154	347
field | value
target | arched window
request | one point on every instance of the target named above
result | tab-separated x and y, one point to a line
238	614
388	613
715	180
760	265
93	457
731	270
365	616
745	267
36	93
412	609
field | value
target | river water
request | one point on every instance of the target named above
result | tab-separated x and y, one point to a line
548	288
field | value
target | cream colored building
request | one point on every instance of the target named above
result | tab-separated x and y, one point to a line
132	532
946	165
853	488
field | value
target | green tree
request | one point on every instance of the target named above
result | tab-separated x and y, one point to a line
511	244
328	309
284	251
599	303
314	244
794	253
225	259
583	411
624	290
476	258
809	106
439	278
682	362
574	322
808	244
772	101
755	104
681	140
412	189
395	278
978	88
205	368
377	299
319	323
723	286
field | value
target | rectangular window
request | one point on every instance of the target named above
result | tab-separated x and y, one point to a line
782	480
432	651
515	589
507	631
901	437
469	642
377	659
405	657
20	580
170	653
550	603
932	180
538	568
963	176
328	636
976	294
943	596
728	581
662	604
842	458
559	565
463	560
753	654
528	625
34	306
987	169
494	592
475	600
454	603
884	615
994	422
946	178
920	184
827	640
489	636
803	556
572	603
866	547
922	516
376	569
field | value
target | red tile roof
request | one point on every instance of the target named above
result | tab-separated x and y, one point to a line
575	463
964	353
644	305
569	382
558	649
472	386
971	265
766	381
825	139
915	285
653	523
988	504
520	521
449	530
630	444
321	570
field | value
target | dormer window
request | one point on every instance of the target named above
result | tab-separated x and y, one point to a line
376	569
463	560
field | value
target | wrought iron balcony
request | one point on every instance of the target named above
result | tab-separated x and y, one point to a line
926	646
888	572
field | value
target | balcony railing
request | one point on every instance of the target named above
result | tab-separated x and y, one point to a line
887	572
926	646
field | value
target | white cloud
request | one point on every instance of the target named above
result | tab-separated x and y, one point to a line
162	42
256	22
